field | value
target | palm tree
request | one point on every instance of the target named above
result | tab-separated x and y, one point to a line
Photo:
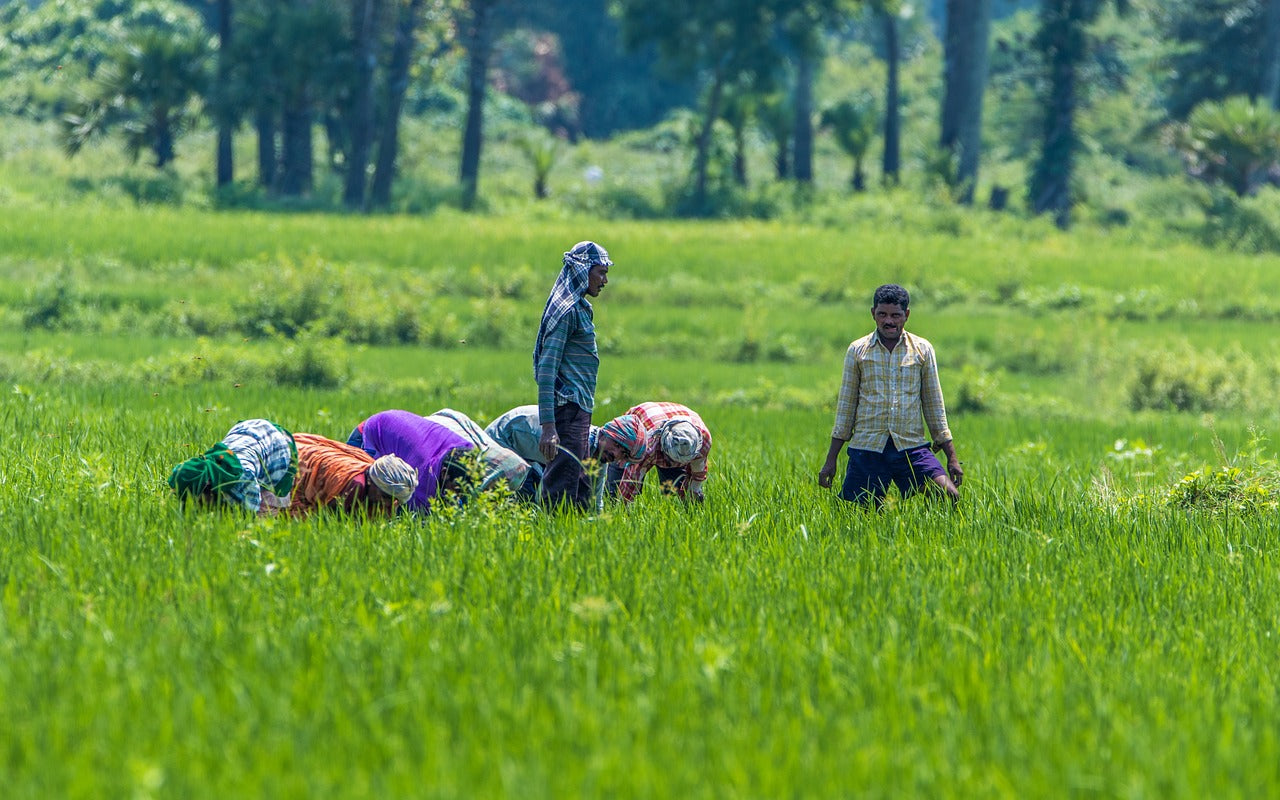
853	123
146	90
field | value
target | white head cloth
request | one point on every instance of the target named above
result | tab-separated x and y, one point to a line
394	476
680	440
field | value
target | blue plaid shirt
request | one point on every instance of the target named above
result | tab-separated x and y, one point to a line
568	363
270	460
518	430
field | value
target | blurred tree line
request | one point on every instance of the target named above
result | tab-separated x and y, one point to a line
1196	77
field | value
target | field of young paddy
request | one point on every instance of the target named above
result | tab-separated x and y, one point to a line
1068	630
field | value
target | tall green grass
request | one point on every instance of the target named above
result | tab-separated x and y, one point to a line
1068	630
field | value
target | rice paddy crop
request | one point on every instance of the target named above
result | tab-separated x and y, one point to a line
1075	627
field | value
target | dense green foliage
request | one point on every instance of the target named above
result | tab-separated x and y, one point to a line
1076	103
1097	616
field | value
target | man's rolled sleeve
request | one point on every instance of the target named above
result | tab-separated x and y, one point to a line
847	402
935	411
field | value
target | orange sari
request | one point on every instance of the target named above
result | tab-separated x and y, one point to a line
326	470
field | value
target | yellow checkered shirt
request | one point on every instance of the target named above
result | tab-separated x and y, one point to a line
890	393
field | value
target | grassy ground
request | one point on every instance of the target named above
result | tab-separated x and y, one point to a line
1070	629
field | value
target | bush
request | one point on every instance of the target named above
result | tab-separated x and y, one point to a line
974	391
1246	224
51	305
1249	483
1186	380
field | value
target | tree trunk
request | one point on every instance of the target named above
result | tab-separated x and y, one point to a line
225	165
298	156
892	125
162	144
1063	39
781	164
268	160
703	152
804	118
363	19
740	155
1270	86
384	171
858	181
968	27
479	46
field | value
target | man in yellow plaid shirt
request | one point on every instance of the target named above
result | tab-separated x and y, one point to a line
890	391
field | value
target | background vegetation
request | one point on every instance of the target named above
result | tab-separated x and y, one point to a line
1097	617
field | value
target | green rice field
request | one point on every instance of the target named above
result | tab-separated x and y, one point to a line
1099	617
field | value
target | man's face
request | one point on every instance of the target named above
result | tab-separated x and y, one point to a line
597	279
891	319
610	451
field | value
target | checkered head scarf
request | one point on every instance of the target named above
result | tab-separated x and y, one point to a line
394	476
570	287
628	432
680	440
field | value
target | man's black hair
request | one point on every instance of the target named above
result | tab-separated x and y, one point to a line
891	294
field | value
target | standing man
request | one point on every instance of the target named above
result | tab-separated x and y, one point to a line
565	364
890	384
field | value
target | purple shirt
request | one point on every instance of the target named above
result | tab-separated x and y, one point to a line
422	443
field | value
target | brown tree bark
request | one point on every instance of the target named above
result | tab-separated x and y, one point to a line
968	27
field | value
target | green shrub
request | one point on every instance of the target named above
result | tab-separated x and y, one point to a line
52	304
1246	224
974	390
1184	379
1249	482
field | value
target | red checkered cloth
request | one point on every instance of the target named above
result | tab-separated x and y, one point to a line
652	416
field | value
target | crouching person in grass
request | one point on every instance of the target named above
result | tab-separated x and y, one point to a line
498	462
338	476
437	453
621	440
680	449
890	385
253	467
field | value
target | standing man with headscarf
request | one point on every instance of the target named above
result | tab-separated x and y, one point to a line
565	365
679	447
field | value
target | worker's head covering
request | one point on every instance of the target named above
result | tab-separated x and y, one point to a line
215	469
680	440
570	288
628	432
393	475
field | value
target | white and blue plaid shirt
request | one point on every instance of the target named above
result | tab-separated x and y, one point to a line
270	460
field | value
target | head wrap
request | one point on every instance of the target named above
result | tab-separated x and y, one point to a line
217	468
394	476
680	439
569	288
627	431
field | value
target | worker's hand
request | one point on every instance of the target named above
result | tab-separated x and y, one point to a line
955	471
549	444
825	475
